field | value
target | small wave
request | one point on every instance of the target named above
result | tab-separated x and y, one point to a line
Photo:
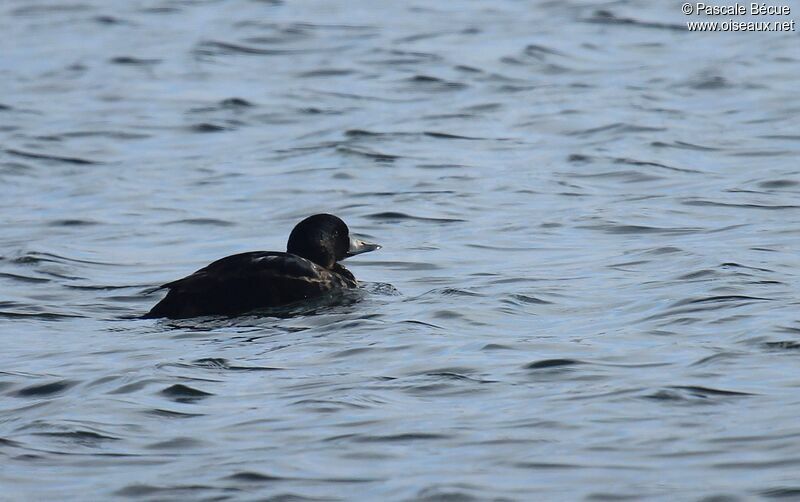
23	278
552	363
102	134
72	223
705	202
43	316
451	292
39	257
57	158
215	48
160	412
782	345
422	323
182	492
611	228
378	156
236	103
541	51
628	176
778	184
206	127
607	17
255	477
718	299
435	84
527	299
396	216
380	288
399	438
88	438
693	392
184	391
683	145
581	158
49	8
47	389
444	135
224	364
326	72
129	60
618	127
709	83
202	222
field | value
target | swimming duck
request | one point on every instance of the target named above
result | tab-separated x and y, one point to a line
244	282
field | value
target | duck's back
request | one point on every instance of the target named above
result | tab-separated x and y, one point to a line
243	282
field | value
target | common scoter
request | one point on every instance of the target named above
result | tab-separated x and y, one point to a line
244	282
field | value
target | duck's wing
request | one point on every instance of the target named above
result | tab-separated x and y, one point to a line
243	282
246	264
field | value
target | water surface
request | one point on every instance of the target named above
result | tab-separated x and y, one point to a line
588	287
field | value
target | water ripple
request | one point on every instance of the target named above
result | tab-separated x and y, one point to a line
587	288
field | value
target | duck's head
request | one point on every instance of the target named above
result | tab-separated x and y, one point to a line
325	239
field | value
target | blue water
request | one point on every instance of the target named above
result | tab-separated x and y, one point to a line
588	287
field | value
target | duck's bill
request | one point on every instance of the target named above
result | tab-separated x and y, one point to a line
358	246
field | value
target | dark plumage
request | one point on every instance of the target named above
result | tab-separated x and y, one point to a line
243	282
